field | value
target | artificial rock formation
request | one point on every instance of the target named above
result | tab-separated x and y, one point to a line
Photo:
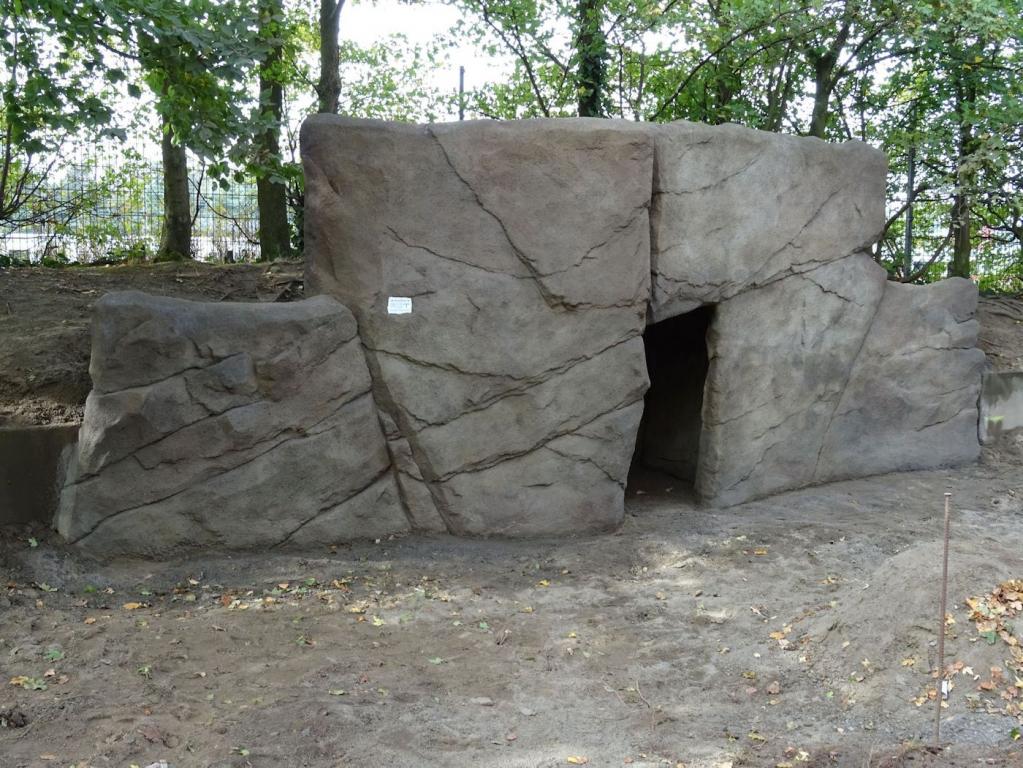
536	253
517	380
226	425
518	287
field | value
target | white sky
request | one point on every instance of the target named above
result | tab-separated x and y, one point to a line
366	22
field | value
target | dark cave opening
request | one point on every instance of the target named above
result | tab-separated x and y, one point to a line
677	362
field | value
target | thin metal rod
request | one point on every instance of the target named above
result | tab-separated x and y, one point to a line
461	93
941	629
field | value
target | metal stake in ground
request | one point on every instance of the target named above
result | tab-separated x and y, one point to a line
941	631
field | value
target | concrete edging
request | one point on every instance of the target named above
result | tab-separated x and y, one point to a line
1001	405
32	464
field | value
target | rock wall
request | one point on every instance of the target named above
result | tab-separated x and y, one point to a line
491	374
226	425
535	252
516	382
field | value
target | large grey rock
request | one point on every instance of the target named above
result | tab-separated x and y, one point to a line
736	209
535	252
234	425
525	250
780	358
836	373
911	401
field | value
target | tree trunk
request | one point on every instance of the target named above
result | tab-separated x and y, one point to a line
966	95
960	266
591	50
271	196
825	77
176	238
907	254
821	98
328	89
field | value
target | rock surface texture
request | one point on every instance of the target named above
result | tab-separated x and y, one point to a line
535	254
515	385
227	425
517	287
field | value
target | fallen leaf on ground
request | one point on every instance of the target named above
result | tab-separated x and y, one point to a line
29	683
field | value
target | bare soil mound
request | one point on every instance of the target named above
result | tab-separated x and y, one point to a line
1001	331
45	316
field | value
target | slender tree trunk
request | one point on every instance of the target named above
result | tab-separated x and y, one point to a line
271	196
724	91
176	238
780	95
825	78
966	95
907	254
821	98
960	266
591	50
329	87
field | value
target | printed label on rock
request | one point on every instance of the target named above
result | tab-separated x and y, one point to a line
399	305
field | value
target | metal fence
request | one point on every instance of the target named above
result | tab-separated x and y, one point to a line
110	208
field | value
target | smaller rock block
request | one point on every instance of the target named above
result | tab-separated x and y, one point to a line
231	425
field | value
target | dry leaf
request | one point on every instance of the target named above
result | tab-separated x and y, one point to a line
577	760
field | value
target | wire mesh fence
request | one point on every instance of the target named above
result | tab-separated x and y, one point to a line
104	209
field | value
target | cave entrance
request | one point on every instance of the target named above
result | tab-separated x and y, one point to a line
668	442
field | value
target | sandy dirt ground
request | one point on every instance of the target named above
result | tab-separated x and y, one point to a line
45	316
794	631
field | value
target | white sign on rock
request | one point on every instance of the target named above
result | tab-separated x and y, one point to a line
399	305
